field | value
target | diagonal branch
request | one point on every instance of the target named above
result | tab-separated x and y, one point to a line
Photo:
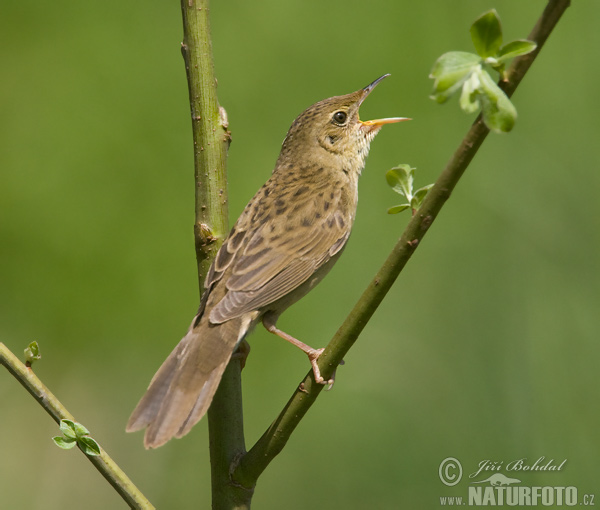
103	463
274	439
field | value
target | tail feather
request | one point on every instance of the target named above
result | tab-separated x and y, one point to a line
183	388
149	405
204	400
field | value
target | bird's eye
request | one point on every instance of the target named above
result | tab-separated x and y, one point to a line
340	117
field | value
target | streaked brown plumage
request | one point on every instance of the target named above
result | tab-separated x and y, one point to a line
285	241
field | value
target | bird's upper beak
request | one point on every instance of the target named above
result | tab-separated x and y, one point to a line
377	123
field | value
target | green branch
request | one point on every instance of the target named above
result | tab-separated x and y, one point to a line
211	140
103	463
210	134
274	439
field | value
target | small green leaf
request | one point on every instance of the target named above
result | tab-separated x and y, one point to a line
32	353
469	101
486	34
89	446
67	427
401	179
515	49
80	430
64	443
420	195
450	71
398	208
498	112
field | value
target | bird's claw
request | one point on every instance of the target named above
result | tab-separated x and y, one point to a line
313	356
242	353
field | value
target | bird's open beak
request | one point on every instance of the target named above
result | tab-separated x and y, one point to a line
377	123
381	122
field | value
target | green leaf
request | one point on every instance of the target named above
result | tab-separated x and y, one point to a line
401	179
469	98
450	71
89	446
80	430
420	195
515	48
498	112
486	34
398	208
32	353
67	427
64	443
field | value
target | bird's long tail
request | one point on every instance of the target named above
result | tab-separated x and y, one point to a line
181	391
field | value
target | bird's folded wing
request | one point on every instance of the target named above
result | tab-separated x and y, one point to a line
271	262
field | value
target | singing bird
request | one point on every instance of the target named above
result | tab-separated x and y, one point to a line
285	241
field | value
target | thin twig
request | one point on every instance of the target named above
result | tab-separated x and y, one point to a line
276	436
103	463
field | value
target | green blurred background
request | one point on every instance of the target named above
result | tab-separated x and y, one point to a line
487	346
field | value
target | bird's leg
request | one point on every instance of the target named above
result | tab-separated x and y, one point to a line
242	352
313	354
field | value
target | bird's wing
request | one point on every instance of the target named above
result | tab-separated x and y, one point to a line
269	253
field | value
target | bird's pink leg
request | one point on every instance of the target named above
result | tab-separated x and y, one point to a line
313	354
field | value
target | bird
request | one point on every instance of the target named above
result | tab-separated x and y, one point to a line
285	241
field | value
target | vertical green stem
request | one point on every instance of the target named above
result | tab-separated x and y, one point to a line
211	137
227	445
211	140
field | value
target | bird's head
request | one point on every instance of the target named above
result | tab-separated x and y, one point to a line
331	131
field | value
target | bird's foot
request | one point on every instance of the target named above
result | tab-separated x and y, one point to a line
332	380
313	356
242	353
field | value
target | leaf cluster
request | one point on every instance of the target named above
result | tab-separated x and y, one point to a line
401	178
470	72
76	434
32	353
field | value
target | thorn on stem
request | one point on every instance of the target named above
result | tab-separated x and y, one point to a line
204	235
426	223
223	117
